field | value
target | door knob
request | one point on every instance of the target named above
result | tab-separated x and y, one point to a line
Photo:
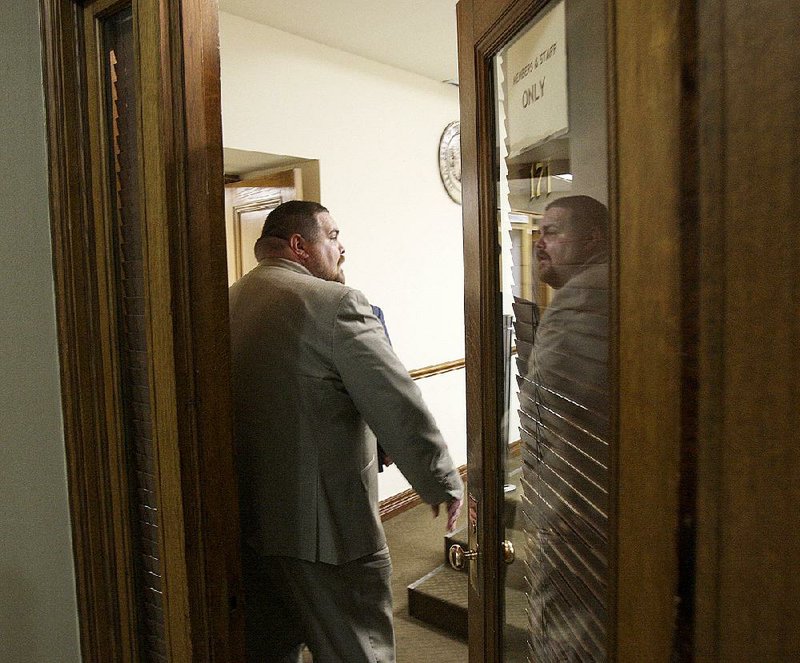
508	552
458	556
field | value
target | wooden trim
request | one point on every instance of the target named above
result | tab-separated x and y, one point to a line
408	499
436	369
159	149
397	504
256	206
282	179
613	330
444	367
202	337
107	324
483	28
98	517
649	42
465	10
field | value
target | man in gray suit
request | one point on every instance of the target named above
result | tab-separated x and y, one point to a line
312	370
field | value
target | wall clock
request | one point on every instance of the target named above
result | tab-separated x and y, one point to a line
450	160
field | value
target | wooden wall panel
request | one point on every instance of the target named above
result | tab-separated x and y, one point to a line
750	445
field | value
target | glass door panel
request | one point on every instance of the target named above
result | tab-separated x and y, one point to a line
551	170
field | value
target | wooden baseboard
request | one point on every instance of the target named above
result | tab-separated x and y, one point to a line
396	504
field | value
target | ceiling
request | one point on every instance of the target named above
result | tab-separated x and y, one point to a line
415	35
243	162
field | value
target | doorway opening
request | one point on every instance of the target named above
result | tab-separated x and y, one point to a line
372	127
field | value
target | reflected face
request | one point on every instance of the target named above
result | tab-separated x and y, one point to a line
326	252
561	252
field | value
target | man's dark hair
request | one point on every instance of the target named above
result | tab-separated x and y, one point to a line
586	213
294	216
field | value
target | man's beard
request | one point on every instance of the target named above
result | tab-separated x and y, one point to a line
339	276
325	273
546	272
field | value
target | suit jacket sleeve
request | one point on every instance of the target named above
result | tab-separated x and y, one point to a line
390	402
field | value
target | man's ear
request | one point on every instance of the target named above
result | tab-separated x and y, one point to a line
298	245
598	243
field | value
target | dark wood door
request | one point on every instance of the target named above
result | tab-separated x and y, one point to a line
534	91
702	426
138	229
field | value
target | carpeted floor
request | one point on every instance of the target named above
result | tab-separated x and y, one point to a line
416	541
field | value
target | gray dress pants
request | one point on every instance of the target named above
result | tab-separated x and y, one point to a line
343	613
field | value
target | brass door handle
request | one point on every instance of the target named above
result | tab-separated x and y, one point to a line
508	552
458	556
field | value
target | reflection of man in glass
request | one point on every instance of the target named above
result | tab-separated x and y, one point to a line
564	403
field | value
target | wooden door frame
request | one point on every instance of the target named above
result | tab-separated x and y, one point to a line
655	281
653	354
197	463
483	461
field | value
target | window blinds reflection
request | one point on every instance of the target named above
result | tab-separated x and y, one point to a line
553	253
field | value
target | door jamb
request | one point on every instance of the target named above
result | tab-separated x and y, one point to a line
193	186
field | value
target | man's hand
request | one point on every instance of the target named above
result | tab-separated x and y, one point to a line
384	459
453	511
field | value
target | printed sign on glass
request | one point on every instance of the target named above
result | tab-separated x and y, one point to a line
536	83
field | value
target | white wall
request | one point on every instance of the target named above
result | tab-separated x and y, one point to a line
38	611
375	130
445	396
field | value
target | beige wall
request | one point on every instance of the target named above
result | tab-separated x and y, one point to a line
38	614
375	130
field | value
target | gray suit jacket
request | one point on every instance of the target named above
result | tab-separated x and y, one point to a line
312	369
